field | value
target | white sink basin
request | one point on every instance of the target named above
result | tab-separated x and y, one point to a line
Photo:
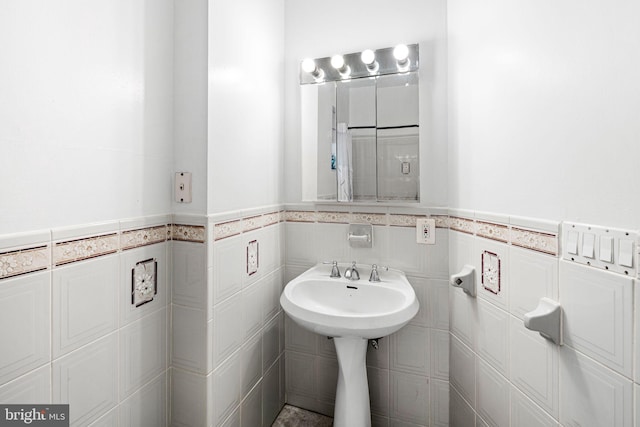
339	307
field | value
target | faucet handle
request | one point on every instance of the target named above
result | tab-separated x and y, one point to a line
375	277
335	271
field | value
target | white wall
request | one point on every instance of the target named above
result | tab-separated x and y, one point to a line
543	109
246	41
85	101
336	26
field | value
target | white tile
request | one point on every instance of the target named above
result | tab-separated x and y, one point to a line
189	272
233	420
409	350
409	397
128	259
272	291
270	343
463	316
598	314
636	403
252	301
533	275
228	328
493	395
298	338
188	399
300	375
269	249
592	395
270	395
226	388
228	267
405	253
378	390
325	346
89	391
85	298
493	336
438	255
462	370
251	363
480	422
461	253
534	366
525	413
377	254
422	288
439	354
300	243
143	351
439	403
251	408
34	387
25	324
439	304
461	414
394	422
147	407
331	242
379	421
492	248
636	341
326	378
189	336
378	358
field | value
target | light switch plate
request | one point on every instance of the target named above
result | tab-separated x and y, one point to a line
252	257
183	187
426	231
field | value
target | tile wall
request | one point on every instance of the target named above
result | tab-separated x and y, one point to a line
69	330
408	375
502	374
228	328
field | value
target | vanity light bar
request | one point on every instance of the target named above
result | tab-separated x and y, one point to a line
369	63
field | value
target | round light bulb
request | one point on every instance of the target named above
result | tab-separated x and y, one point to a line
401	52
308	65
337	62
368	57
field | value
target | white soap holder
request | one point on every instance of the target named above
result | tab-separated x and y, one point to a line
546	319
465	279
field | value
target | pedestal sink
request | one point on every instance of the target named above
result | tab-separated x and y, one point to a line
352	312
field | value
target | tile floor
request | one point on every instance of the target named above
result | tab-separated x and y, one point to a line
291	416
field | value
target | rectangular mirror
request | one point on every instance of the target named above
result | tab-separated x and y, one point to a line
360	139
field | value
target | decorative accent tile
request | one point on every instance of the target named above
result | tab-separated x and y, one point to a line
492	231
300	216
462	224
24	261
271	218
144	236
188	233
442	221
541	242
491	272
226	229
403	220
144	282
252	257
371	218
252	223
334	217
81	249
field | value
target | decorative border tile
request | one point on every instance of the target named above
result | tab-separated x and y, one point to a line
226	229
442	221
403	220
272	218
142	237
535	240
300	216
252	223
491	231
334	217
188	233
462	224
371	218
24	261
82	249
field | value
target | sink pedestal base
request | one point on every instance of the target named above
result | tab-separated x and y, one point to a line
352	395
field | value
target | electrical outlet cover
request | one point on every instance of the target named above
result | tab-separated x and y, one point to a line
426	231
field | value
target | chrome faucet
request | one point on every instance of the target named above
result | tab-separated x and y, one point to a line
351	273
375	277
335	271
